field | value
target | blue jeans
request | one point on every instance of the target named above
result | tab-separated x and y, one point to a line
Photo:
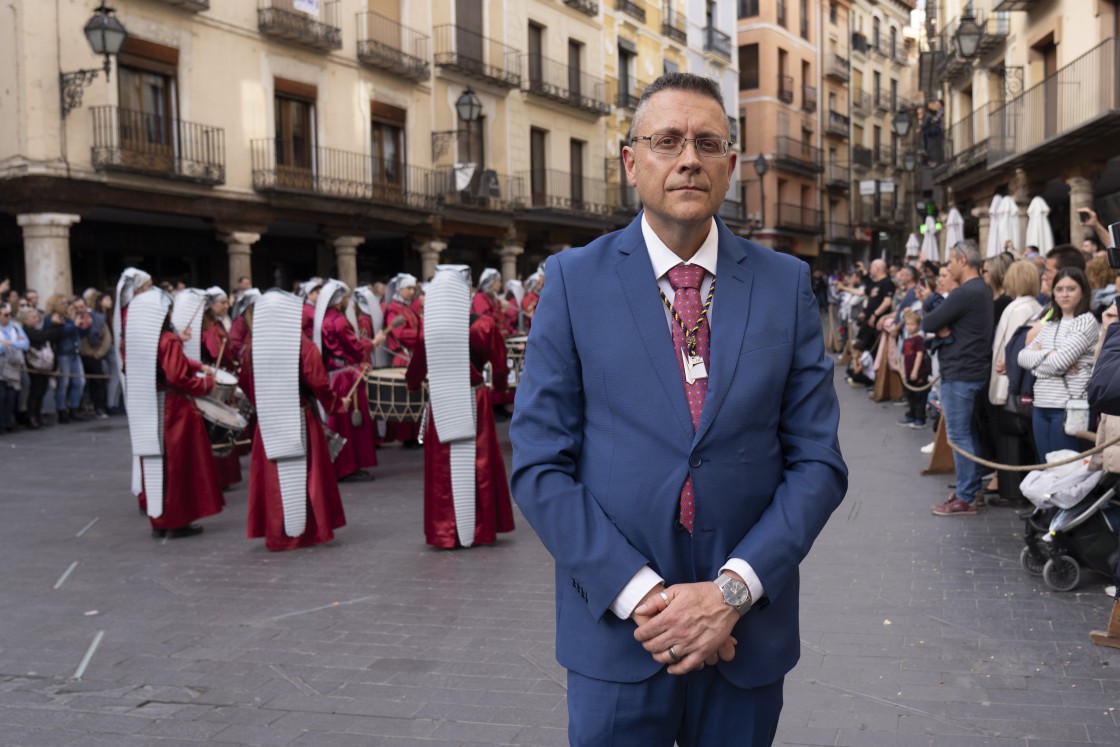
71	382
958	399
1049	431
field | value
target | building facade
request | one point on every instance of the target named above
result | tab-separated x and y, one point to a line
278	139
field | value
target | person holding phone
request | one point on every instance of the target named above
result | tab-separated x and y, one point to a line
1088	218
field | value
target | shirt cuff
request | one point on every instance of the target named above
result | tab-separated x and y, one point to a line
750	578
636	588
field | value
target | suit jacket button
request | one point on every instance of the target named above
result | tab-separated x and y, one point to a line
695	460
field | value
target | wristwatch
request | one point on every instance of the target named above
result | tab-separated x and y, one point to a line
735	593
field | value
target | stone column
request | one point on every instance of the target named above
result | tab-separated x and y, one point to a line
1020	191
46	252
1080	195
429	252
346	257
239	248
985	225
509	253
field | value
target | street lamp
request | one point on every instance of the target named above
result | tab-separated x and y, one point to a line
909	161
968	36
761	166
469	109
901	123
106	35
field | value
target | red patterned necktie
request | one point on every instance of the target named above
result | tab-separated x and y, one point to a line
685	280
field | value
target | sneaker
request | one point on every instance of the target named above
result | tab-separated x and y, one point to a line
917	424
954	507
903	402
928	448
101	415
905	422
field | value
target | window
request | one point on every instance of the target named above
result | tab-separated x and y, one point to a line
877	142
877	88
576	148
575	67
748	8
536	56
833	13
748	67
804	19
894	95
781	12
294	112
894	149
387	143
894	42
538	168
668	66
875	33
626	96
146	83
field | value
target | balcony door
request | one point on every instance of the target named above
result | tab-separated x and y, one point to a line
468	24
387	152
575	69
295	162
536	57
538	176
145	120
576	149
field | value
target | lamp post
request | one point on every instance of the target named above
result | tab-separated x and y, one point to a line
469	109
106	35
968	36
761	166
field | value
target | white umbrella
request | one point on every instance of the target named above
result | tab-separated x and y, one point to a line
1039	232
929	241
995	240
913	246
1009	224
954	231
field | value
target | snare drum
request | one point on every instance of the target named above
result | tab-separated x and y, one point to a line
515	354
390	399
225	384
223	424
242	404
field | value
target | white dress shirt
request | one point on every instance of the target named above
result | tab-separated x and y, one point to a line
663	259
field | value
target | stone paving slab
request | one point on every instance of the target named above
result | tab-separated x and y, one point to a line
916	631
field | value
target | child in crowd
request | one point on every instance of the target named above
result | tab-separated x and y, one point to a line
861	371
916	369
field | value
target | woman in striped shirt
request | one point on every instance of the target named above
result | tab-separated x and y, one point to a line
1059	352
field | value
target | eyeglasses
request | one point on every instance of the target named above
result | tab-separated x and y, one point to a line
673	145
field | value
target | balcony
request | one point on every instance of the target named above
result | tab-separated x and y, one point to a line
808	99
327	172
481	189
718	43
383	43
196	6
125	140
476	56
838	124
837	178
839	233
799	219
626	96
561	82
281	20
797	157
1074	110
838	68
586	7
883	156
675	27
860	43
996	28
733	213
861	103
966	146
785	88
862	158
882	102
635	10
562	193
1007	5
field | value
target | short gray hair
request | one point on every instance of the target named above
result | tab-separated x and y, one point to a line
970	251
677	82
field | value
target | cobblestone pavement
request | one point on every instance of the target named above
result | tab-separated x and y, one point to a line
917	631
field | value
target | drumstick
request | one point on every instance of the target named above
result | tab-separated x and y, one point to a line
221	351
191	320
359	381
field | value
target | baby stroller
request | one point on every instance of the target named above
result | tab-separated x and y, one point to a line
1075	523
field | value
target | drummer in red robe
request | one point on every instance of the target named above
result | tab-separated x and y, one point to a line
133	281
534	284
487	303
309	292
215	344
346	358
179	482
402	326
293	494
238	329
481	507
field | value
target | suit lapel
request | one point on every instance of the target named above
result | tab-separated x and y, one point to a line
730	308
639	286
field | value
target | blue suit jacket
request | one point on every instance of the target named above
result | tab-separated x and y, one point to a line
602	441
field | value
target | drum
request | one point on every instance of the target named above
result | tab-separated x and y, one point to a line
242	404
390	400
225	384
515	353
223	424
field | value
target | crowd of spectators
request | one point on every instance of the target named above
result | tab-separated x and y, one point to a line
1001	347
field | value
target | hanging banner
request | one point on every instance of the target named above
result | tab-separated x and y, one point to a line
867	186
311	7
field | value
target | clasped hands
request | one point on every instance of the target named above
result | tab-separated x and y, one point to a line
695	622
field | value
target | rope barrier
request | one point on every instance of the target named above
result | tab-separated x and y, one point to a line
61	375
1031	467
925	388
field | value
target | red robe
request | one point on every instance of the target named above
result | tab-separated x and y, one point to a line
238	336
190	484
324	504
365	332
529	307
213	335
344	352
484	304
308	323
401	340
493	507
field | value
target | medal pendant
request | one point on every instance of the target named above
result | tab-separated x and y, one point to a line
697	369
688	377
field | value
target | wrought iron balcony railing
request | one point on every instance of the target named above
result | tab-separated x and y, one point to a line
808	99
464	51
673	25
386	44
733	213
631	8
281	19
564	192
838	176
785	88
126	140
288	166
838	68
794	155
717	42
838	124
483	189
586	7
862	157
861	103
882	102
840	233
196	6
799	219
565	83
966	145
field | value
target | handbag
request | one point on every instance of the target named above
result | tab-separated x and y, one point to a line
1076	418
40	359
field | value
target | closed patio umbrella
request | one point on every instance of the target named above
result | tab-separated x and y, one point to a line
913	246
954	232
995	240
1009	224
1039	232
929	241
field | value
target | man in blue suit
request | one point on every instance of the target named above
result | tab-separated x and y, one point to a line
675	449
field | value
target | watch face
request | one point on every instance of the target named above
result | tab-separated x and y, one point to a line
735	593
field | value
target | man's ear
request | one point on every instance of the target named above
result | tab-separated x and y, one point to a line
629	164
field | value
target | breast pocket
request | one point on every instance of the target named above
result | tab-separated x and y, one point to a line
767	338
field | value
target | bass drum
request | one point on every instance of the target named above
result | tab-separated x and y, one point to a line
390	399
224	425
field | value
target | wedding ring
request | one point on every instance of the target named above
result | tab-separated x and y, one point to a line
664	596
673	655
